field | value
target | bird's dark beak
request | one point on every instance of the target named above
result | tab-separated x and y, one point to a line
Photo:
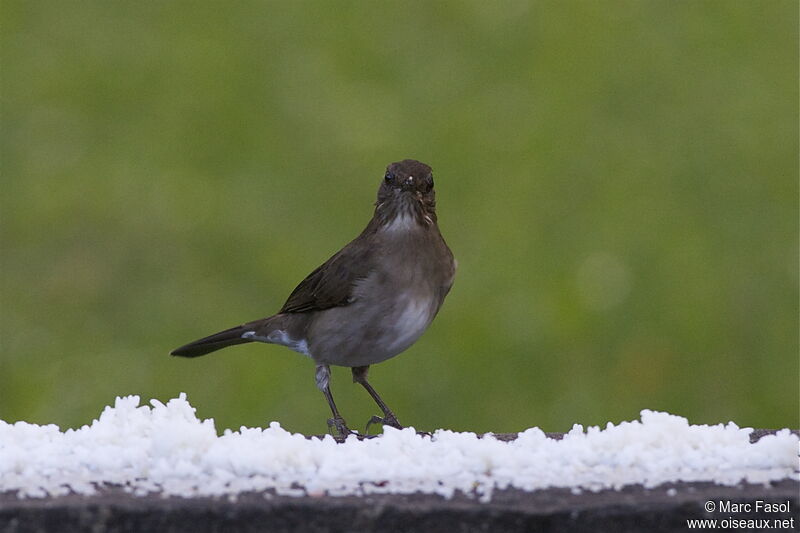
408	183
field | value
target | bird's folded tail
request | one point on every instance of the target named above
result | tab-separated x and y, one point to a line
212	343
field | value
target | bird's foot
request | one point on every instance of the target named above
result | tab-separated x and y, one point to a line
340	427
388	420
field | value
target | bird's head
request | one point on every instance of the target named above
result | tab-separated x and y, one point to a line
407	191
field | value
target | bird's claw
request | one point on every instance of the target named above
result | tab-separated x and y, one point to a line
387	420
340	426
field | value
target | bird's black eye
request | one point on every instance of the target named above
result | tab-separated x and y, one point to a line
388	177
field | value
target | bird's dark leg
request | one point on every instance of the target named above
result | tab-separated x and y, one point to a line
323	377
360	376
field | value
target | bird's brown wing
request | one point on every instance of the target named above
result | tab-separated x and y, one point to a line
331	284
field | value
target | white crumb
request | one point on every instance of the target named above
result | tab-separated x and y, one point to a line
166	449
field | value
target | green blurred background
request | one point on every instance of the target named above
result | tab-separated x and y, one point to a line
618	180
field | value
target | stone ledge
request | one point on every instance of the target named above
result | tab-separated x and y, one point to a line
665	508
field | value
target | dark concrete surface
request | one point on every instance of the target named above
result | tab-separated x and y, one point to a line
665	508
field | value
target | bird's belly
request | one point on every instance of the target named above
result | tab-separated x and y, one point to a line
410	321
368	332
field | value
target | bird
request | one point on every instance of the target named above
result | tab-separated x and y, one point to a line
370	301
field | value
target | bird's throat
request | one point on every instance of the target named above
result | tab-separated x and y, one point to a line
402	223
405	212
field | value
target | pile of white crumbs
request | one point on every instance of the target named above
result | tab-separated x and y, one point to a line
168	450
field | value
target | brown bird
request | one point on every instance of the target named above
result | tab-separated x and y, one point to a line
371	300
